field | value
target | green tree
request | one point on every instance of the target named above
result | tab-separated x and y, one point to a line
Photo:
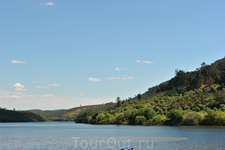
176	116
100	117
139	120
193	118
118	104
139	96
127	115
149	113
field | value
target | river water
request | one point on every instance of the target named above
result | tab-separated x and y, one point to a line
72	136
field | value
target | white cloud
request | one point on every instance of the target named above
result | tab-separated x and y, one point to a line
26	101
42	87
14	96
17	85
54	84
111	78
146	62
94	79
138	61
50	95
121	78
18	62
81	93
20	89
120	69
33	82
47	4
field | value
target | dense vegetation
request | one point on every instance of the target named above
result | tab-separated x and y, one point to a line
70	114
19	116
190	98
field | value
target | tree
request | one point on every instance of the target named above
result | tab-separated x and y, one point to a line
118	104
176	116
149	113
140	120
139	96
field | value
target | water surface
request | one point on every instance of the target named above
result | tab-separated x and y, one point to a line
71	136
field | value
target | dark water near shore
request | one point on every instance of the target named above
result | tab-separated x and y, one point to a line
71	136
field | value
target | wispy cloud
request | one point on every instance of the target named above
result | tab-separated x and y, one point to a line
14	96
81	93
48	86
42	87
33	82
138	61
24	101
120	78
18	87
120	69
50	95
145	61
18	62
54	84
47	4
94	79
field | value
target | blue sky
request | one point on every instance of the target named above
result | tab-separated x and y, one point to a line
63	54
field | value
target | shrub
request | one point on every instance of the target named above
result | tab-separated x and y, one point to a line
201	106
159	119
176	116
186	107
108	115
120	118
141	112
220	119
149	113
193	118
220	96
127	115
158	110
139	120
100	117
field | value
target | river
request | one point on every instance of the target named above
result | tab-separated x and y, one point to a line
72	136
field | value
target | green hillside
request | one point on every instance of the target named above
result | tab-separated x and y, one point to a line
20	116
71	114
190	98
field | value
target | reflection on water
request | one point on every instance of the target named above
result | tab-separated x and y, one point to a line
68	135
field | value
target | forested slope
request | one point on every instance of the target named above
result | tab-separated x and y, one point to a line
71	114
190	98
20	116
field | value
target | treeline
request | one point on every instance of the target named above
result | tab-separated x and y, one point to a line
199	107
70	114
20	116
190	98
206	74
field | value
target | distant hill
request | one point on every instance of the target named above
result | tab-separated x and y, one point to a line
190	98
71	114
20	116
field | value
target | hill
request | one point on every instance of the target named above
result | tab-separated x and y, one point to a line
71	114
190	98
20	116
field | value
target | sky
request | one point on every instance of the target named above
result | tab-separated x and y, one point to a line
63	54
